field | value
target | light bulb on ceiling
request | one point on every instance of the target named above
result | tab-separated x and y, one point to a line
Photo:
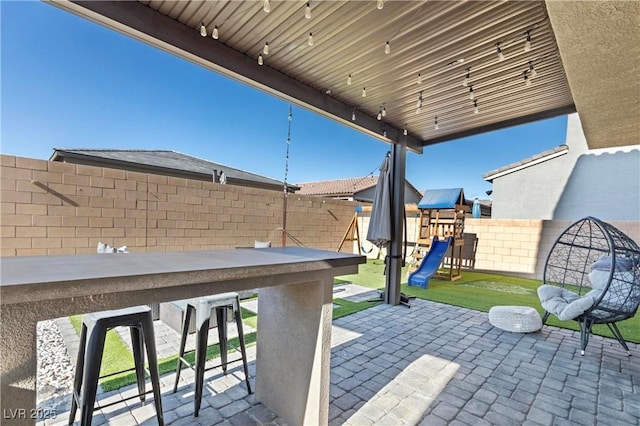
527	81
353	115
384	111
419	104
405	131
499	52
527	42
203	30
380	4
214	33
265	49
260	61
266	6
475	107
471	94
435	124
307	11
465	82
364	92
532	70
349	80
379	116
419	81
310	39
384	132
387	48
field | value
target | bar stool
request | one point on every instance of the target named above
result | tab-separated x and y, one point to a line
94	330
203	309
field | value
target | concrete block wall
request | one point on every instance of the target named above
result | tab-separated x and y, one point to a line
57	208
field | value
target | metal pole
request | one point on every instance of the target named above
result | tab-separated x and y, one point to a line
394	248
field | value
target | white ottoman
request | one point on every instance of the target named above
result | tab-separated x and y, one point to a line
518	319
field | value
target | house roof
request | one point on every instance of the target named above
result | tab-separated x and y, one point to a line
164	160
527	162
441	198
338	187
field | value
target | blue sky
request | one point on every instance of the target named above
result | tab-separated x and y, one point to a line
69	83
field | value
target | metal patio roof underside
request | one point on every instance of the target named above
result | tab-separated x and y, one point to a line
438	40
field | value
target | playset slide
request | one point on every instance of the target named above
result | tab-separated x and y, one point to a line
430	263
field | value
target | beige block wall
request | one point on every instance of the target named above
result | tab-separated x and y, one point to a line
57	208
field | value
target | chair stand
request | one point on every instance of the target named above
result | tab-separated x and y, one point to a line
92	337
203	308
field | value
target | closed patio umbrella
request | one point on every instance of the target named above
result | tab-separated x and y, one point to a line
379	232
475	209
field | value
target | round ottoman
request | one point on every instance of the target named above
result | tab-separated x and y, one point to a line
518	319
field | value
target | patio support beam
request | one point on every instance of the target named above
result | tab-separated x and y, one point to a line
143	23
394	248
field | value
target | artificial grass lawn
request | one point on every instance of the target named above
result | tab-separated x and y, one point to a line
481	291
118	357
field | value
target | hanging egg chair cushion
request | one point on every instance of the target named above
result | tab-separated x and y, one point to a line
565	304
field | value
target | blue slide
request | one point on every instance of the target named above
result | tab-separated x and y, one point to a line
430	263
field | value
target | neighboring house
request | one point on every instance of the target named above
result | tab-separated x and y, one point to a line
360	189
168	163
570	182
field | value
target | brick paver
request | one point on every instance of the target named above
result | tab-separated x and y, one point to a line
432	364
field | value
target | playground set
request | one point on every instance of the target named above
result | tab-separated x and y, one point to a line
440	236
442	214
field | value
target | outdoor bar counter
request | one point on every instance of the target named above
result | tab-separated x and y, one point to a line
294	305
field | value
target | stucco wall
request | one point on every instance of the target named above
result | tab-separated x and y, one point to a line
601	183
57	208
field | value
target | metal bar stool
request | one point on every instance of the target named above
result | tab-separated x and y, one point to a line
203	309
94	331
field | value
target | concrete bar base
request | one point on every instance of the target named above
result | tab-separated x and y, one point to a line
292	362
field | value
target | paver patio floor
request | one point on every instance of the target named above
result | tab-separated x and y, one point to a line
431	364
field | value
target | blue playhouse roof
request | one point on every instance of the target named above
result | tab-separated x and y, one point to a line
441	198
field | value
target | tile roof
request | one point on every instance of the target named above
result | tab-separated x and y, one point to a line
338	187
164	160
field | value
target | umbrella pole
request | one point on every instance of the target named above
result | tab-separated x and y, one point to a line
394	248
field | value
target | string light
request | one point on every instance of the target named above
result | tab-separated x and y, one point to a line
532	70
499	52
405	131
349	80
310	39
203	30
379	117
384	132
266	6
475	107
527	42
353	115
435	123
384	111
265	49
419	80
471	94
307	11
465	82
260	61
214	33
364	92
419	104
380	4
387	48
527	81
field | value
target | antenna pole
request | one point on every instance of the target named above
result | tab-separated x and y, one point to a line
286	187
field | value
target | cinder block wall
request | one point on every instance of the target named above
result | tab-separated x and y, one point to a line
57	208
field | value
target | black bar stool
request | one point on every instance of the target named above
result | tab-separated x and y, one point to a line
203	309
94	330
